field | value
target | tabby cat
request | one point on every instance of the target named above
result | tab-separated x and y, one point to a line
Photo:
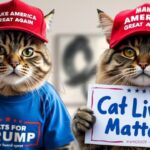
25	63
126	64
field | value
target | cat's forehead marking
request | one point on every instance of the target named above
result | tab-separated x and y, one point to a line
15	47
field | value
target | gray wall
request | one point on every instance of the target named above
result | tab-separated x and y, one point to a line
80	16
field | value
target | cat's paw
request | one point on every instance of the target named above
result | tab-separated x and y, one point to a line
83	120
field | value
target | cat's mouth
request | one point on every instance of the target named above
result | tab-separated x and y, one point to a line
143	74
13	74
142	79
13	78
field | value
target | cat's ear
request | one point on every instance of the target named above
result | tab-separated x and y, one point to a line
106	24
48	19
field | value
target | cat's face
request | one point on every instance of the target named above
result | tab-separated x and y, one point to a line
126	64
130	62
24	61
136	53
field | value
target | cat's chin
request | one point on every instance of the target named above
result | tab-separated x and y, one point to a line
13	79
142	80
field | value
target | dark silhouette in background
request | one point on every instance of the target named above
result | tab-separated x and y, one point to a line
79	45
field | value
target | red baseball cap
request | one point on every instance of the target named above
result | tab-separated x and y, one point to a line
18	15
130	22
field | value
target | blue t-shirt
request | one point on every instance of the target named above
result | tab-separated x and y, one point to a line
34	121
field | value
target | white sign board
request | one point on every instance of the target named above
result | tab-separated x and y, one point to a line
122	115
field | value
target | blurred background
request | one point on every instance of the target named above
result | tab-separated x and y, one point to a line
76	42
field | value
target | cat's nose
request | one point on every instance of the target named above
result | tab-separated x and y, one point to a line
143	65
14	64
13	60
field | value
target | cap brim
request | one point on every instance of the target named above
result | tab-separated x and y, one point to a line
25	30
127	35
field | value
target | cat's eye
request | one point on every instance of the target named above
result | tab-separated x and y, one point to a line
28	52
129	52
2	50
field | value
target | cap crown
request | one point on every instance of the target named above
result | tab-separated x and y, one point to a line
130	22
18	15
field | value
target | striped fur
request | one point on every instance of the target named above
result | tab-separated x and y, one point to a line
127	64
30	71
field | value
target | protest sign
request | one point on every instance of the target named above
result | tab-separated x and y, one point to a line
122	115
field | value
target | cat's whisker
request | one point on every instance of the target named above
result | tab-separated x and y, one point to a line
122	76
126	77
126	69
116	81
42	88
116	71
110	78
28	85
36	79
32	84
106	76
126	82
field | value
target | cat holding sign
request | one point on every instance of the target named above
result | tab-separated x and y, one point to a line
126	62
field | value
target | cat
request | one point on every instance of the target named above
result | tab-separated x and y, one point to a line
126	64
25	65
